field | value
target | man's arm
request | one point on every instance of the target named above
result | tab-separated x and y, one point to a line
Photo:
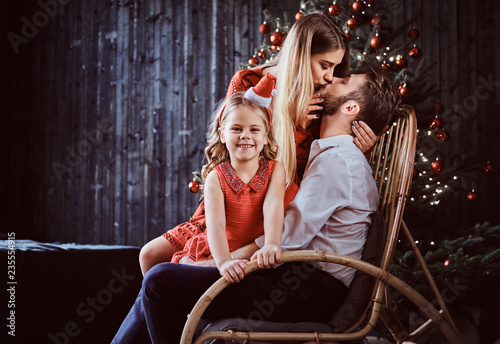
244	252
324	189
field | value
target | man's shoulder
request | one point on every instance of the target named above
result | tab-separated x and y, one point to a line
347	152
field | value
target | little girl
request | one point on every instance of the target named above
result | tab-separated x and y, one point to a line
244	188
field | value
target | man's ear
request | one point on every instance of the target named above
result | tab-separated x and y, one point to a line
350	108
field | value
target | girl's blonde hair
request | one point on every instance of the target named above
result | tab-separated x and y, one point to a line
216	151
315	33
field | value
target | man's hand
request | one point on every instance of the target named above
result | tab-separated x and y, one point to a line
234	270
208	262
267	255
186	260
364	138
313	106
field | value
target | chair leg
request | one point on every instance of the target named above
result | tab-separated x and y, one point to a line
393	325
428	275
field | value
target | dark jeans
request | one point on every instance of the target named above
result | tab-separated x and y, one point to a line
293	292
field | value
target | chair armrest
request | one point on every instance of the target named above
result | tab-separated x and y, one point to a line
286	257
307	255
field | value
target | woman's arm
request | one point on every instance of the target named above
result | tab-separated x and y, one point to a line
232	270
273	219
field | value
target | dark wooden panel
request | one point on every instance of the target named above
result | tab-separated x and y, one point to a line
134	84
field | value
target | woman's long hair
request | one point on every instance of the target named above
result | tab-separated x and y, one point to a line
216	151
315	33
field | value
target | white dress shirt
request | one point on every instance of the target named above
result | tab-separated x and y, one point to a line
332	209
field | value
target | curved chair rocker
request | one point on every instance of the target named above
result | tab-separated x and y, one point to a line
392	165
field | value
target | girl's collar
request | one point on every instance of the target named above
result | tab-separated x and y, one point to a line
257	182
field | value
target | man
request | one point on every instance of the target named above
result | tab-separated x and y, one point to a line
331	212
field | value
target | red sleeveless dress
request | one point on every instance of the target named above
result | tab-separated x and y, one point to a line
244	211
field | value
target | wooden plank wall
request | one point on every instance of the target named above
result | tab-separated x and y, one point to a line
120	94
109	103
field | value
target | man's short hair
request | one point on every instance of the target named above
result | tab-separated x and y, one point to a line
379	99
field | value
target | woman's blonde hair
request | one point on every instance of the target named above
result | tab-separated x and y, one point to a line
216	151
315	33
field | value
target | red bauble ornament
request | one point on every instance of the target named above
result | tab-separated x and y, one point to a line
437	166
375	20
194	186
415	52
262	54
415	174
348	35
277	38
352	23
385	65
414	33
472	196
436	124
439	107
376	42
442	135
298	15
334	10
265	29
401	62
253	61
358	6
488	168
370	2
404	91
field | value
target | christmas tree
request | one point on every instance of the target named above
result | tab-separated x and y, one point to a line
368	25
372	40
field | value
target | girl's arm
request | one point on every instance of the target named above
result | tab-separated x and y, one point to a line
232	270
273	219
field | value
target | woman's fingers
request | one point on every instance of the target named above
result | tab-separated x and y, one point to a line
365	138
313	106
316	100
364	128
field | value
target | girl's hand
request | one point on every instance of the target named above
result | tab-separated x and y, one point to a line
313	106
267	255
233	270
364	137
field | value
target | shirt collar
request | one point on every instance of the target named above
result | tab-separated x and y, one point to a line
335	141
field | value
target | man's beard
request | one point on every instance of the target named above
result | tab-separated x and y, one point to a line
330	104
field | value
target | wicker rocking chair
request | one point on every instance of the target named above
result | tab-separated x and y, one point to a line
392	165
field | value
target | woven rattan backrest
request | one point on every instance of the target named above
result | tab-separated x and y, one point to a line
392	165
